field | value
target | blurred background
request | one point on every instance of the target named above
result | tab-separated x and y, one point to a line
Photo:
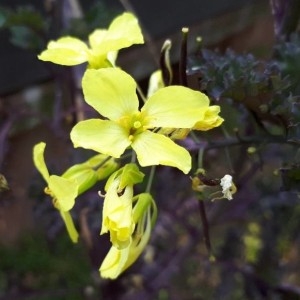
254	238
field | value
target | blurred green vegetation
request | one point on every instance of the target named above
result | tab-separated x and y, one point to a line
44	270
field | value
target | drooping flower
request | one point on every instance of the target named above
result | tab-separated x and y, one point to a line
77	179
118	260
228	187
63	191
117	215
112	92
123	32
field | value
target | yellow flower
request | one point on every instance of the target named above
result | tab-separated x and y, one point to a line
62	190
112	92
123	32
118	260
117	214
77	179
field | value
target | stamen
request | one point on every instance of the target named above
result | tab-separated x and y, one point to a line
137	124
130	138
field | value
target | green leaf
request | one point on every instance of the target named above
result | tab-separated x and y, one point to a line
4	15
27	16
290	178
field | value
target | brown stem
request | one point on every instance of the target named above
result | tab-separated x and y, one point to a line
205	226
183	57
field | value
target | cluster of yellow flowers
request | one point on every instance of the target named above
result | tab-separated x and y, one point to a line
169	113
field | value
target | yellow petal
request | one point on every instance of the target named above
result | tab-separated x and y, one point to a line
113	264
38	159
64	190
210	120
156	149
175	107
126	31
117	215
123	32
111	92
67	51
96	38
106	137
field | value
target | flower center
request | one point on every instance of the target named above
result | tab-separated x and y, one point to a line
137	124
134	124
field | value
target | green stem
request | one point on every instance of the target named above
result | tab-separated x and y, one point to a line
140	93
150	180
154	213
133	157
200	151
165	63
200	157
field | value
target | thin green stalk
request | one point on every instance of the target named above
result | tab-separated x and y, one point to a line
133	157
150	180
203	216
140	93
200	151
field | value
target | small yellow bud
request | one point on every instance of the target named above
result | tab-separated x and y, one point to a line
251	150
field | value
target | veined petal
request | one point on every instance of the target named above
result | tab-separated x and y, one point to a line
111	92
67	51
106	137
113	263
67	218
175	107
38	159
64	190
156	149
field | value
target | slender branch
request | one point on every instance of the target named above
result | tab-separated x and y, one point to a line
231	141
205	226
183	57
